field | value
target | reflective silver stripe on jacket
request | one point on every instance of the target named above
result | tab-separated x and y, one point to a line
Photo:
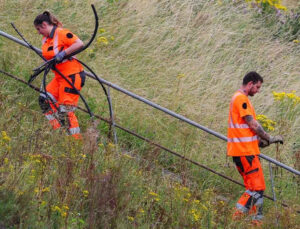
238	126
75	130
243	139
55	44
44	40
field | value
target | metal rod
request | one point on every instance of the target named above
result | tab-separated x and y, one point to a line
113	124
17	40
167	111
272	181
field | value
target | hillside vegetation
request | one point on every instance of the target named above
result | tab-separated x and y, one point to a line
186	55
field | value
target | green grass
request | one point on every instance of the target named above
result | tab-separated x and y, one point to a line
150	44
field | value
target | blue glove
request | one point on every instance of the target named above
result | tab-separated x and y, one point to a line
59	57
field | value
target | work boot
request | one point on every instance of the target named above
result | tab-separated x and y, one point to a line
77	136
238	215
257	220
257	223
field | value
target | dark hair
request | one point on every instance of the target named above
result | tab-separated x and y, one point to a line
252	76
47	17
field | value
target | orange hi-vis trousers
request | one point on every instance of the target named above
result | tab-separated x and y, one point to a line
62	101
250	169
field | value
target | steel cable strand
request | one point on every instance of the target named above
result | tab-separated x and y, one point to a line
97	78
151	142
92	38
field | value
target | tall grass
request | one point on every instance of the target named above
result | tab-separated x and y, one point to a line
188	56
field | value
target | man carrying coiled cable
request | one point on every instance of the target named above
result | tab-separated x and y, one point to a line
61	100
245	136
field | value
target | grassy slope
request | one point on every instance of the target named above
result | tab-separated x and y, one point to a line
212	45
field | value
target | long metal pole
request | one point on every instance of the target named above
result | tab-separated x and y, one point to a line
165	110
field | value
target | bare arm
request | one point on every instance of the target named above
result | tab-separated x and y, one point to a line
77	45
256	127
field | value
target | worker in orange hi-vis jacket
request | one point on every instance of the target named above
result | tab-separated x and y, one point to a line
245	135
57	43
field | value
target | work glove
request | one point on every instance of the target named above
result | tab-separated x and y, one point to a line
276	139
263	143
60	56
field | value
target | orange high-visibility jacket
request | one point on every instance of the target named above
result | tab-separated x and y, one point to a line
60	39
242	141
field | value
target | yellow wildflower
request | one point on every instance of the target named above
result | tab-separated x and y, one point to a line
66	207
111	145
153	193
90	51
196	201
64	214
103	40
101	30
296	41
279	96
195	213
5	137
204	207
56	209
112	38
6	160
266	123
47	189
85	193
128	156
141	210
36	190
130	218
180	75
291	95
280	7
43	203
185	189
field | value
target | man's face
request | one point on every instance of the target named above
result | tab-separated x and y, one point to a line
254	88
